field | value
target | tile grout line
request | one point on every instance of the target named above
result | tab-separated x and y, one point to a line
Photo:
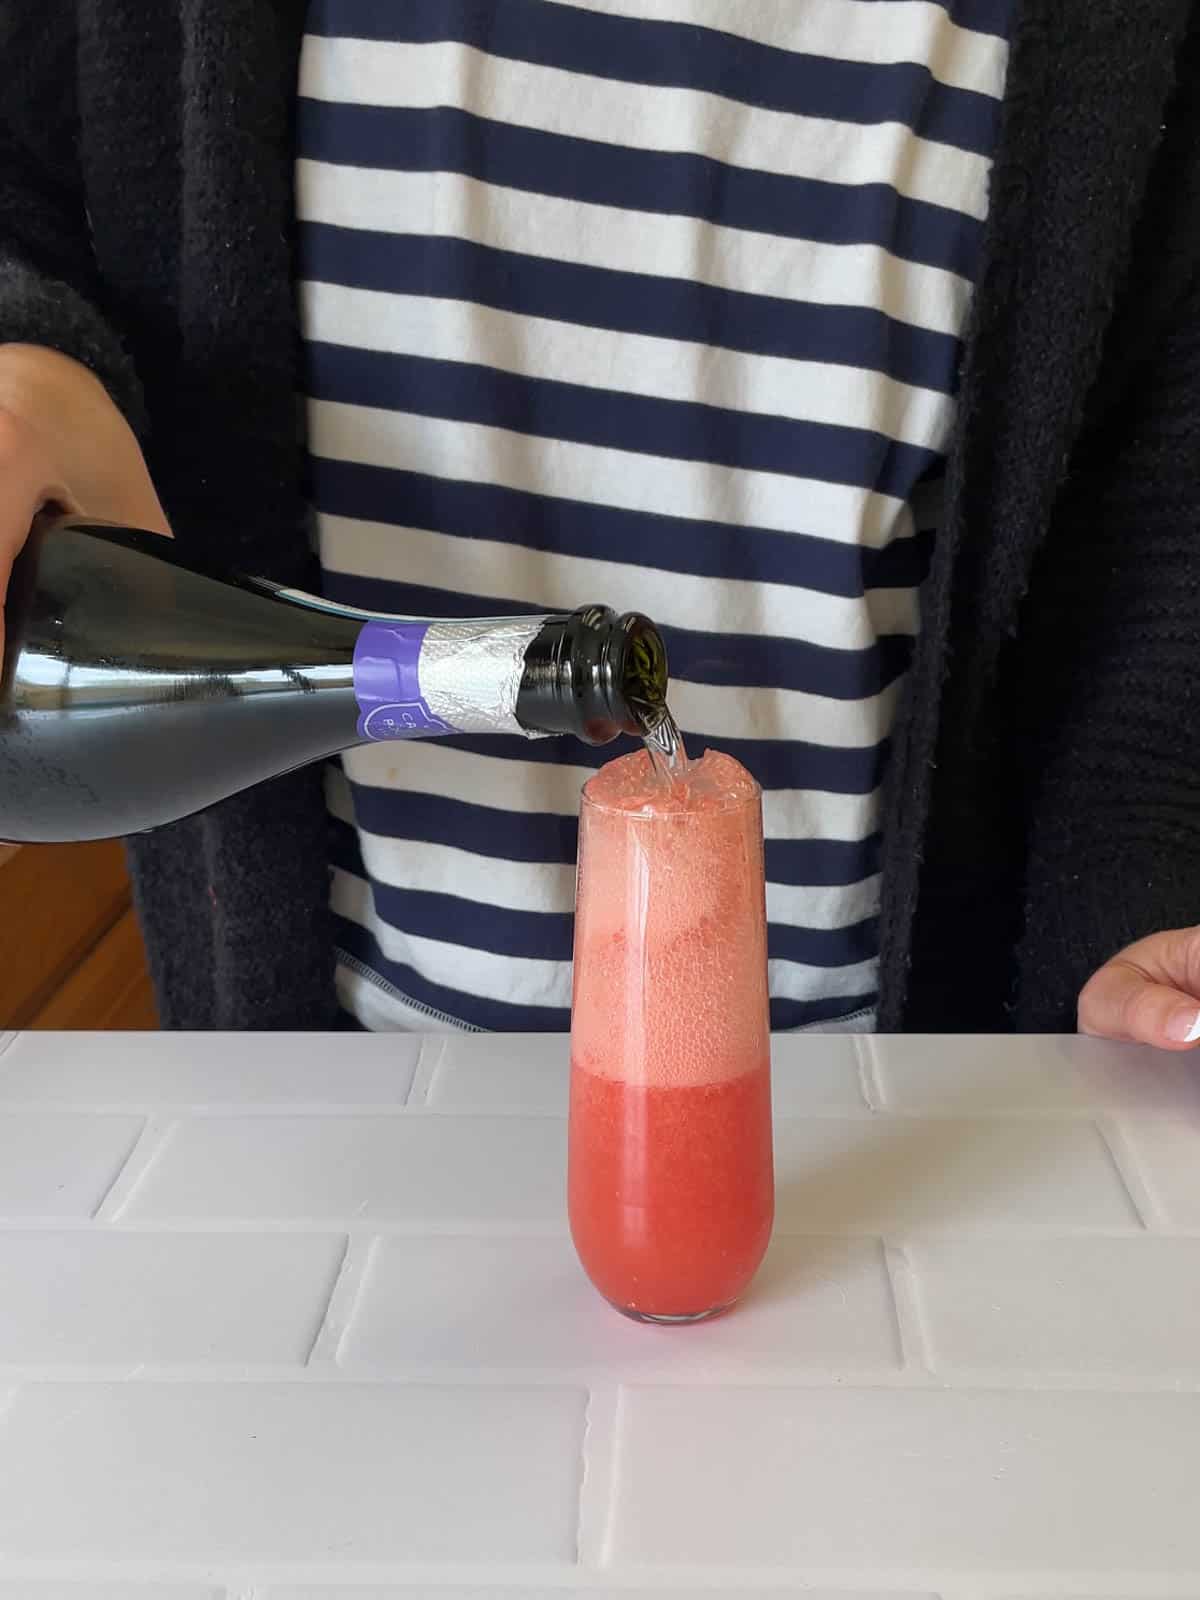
777	1379
916	1351
248	1110
598	1475
421	1581
1129	1171
8	1398
477	1227
869	1085
425	1074
342	1305
147	1147
343	1110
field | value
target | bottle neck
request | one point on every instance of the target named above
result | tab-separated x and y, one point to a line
592	674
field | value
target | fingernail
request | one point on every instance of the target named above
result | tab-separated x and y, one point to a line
1184	1026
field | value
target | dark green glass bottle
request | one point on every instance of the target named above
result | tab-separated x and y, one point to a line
140	687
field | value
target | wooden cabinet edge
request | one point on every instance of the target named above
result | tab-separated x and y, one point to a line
109	989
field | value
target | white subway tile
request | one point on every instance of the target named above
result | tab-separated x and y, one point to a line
212	1473
501	1073
862	1173
532	1073
908	1486
818	1305
109	1298
412	1167
881	1173
815	1072
1068	1308
1166	1151
176	1069
56	1164
976	1073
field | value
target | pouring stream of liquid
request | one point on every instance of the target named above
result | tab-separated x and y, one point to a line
664	744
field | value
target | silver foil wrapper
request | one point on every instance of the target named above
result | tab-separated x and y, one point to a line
470	672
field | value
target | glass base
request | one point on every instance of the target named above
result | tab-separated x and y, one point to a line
671	1322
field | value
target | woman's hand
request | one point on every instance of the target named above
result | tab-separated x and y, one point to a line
1149	994
64	446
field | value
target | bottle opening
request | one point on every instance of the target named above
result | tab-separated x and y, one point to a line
596	675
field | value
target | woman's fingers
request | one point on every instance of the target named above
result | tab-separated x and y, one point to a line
1148	994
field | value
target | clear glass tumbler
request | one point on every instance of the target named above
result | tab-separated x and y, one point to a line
671	1182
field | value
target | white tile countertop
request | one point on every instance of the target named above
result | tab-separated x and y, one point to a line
298	1318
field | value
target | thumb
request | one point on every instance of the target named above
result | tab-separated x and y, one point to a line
1140	1002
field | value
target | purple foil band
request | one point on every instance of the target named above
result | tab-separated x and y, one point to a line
387	683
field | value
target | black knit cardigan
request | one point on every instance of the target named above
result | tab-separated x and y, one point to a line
1043	801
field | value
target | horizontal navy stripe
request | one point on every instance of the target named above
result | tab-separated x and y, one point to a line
492	1016
735	660
982	16
532	836
788	1014
628	302
548	837
548	935
679	430
608	533
824	947
976	16
461	920
447	139
678	55
775	763
499	1016
822	863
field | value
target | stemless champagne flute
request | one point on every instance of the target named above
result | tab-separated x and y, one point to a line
671	1186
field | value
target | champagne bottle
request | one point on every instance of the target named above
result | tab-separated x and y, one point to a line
139	686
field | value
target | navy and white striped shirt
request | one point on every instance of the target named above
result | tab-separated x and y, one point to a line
657	303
